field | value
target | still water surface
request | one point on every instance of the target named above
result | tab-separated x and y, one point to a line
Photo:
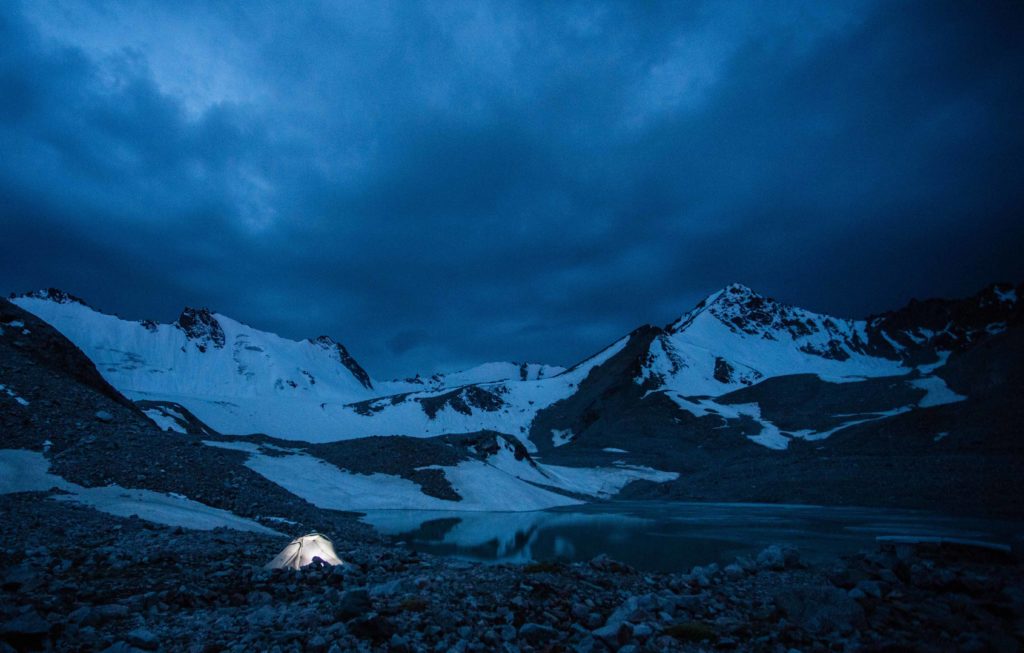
670	536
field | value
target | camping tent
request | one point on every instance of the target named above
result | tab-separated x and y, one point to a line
302	550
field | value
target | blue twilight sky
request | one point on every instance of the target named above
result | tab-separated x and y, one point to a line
439	184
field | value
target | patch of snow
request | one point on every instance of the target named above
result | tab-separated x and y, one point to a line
940	436
561	436
811	435
499	483
163	420
237	445
281	520
931	367
614	450
937	392
327	486
1009	296
995	328
13	395
830	378
28	471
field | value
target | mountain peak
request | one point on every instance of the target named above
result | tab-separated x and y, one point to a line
200	324
734	300
55	295
345	358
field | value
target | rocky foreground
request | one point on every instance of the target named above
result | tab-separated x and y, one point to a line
75	579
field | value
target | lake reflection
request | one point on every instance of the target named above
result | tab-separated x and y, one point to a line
668	536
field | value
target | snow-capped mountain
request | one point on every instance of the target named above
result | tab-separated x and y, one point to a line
240	380
722	362
740	399
201	354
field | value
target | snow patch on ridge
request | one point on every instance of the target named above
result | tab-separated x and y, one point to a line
498	483
28	471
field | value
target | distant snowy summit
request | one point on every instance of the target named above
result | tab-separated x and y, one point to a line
480	374
208	358
237	379
202	353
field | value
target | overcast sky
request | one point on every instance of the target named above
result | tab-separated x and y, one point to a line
440	184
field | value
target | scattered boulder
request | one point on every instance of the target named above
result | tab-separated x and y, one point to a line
353	603
820	609
144	638
537	634
104	416
777	558
27	631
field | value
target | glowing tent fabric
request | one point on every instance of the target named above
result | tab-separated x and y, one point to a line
302	550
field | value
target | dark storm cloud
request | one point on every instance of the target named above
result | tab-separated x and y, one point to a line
442	184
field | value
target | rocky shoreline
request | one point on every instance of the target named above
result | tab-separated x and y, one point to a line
73	579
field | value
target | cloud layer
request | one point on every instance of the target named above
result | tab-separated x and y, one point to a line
441	184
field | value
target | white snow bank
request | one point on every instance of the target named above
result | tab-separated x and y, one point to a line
937	392
164	419
499	483
28	471
561	436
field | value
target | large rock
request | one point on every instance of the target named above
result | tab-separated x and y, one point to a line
144	638
353	603
27	631
820	609
777	558
537	634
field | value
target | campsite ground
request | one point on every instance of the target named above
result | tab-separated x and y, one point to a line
72	578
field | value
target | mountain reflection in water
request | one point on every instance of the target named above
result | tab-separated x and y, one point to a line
669	536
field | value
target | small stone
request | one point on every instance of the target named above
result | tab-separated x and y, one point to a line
104	416
537	634
507	632
144	639
352	604
734	572
870	588
642	631
771	558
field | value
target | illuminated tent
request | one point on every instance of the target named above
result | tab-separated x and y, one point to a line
302	550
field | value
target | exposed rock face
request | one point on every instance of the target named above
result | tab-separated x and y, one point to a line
46	347
200	325
345	359
462	400
949	324
914	331
723	370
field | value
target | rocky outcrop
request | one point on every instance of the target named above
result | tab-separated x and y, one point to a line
200	326
345	359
